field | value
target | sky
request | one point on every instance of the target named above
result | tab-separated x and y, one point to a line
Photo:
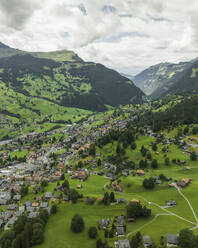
126	35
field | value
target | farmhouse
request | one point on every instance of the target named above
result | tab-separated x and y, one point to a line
147	241
172	240
140	172
171	203
103	223
122	243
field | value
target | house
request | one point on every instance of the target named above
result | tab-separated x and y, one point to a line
12	221
183	182
122	243
116	186
12	207
121	200
48	195
35	204
120	230
172	240
147	242
103	223
121	221
171	203
28	204
135	200
17	197
140	173
44	205
32	215
82	175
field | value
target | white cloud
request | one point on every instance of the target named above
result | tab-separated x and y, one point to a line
128	36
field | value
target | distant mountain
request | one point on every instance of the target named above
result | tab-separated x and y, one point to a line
164	78
65	79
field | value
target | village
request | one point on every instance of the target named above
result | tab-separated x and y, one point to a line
49	162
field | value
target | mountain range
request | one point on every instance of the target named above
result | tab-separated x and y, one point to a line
166	78
65	79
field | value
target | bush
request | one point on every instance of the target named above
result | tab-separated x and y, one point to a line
92	232
77	224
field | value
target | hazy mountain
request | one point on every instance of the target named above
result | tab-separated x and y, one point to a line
162	78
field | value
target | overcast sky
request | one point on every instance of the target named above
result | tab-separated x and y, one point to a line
126	35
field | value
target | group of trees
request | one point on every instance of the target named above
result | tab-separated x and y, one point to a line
108	198
26	233
136	210
149	183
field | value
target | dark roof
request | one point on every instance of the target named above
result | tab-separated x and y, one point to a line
172	239
147	240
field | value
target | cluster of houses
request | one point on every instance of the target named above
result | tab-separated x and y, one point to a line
171	241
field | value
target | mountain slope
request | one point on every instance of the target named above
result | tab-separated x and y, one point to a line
42	87
66	79
159	79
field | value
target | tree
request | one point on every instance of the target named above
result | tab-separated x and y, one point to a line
99	162
92	232
133	146
112	197
148	155
167	161
62	177
187	239
7	238
37	234
54	209
24	191
193	156
154	164
149	183
65	184
92	150
154	147
106	198
136	241
77	224
136	210
73	196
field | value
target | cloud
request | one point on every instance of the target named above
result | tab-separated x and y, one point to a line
125	35
15	13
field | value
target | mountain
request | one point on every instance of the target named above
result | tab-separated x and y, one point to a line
58	87
64	78
164	78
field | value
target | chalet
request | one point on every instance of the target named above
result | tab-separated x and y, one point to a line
121	200
135	200
116	186
183	182
48	195
121	221
12	207
147	242
35	204
28	204
103	223
17	197
32	215
172	240
82	175
120	230
171	203
140	173
12	221
44	205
